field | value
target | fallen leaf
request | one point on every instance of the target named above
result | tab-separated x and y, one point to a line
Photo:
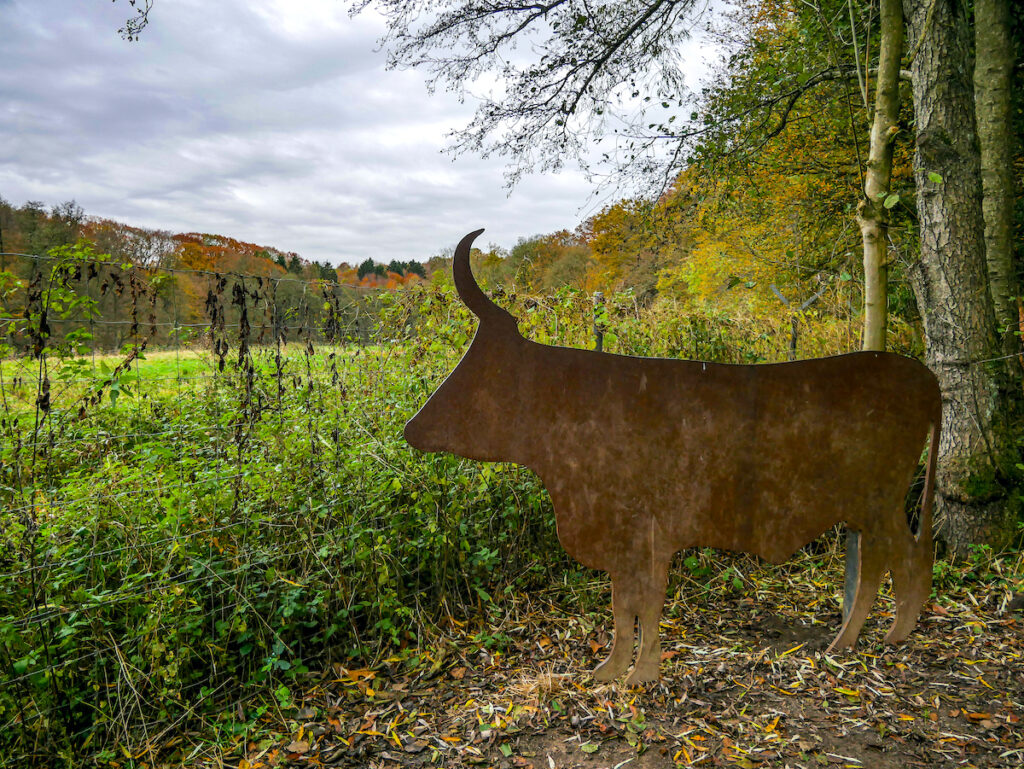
414	746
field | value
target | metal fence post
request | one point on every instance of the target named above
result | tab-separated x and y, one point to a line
852	571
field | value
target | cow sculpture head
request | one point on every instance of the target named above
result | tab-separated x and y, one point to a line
472	413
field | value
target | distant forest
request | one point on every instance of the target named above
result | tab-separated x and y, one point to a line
34	229
156	285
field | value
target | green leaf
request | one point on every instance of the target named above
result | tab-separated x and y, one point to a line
590	747
845	276
506	749
891	200
934	177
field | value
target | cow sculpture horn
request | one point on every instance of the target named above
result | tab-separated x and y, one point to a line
469	291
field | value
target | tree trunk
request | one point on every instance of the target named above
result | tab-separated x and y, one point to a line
872	215
993	70
972	500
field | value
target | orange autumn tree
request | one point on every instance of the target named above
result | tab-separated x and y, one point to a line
632	240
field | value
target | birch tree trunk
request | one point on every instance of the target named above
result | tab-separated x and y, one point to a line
972	501
872	214
993	70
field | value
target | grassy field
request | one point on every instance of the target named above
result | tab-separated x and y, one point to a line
156	370
209	534
153	373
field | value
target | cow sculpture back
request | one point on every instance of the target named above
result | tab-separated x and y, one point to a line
643	457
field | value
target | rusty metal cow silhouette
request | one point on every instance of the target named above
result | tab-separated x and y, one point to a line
643	457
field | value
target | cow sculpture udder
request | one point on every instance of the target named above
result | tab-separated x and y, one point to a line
643	457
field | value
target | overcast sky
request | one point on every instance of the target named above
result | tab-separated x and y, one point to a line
266	120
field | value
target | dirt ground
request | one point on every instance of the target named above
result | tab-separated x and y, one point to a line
746	682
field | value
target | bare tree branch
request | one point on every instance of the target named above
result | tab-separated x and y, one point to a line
133	26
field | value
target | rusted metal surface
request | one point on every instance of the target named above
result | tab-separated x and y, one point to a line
645	456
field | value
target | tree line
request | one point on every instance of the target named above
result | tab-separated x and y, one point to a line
138	283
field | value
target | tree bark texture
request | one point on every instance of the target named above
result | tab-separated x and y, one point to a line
972	503
993	71
872	215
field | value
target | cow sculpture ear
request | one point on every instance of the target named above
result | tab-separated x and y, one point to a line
470	292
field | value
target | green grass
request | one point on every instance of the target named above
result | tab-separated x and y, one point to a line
153	372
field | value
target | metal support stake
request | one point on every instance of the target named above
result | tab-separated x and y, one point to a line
852	571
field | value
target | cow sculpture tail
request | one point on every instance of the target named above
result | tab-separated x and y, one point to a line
924	528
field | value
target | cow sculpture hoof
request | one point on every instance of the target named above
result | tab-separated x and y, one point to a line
643	674
609	670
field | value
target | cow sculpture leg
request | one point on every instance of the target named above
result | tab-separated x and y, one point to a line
909	560
648	658
911	586
638	596
870	570
624	614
